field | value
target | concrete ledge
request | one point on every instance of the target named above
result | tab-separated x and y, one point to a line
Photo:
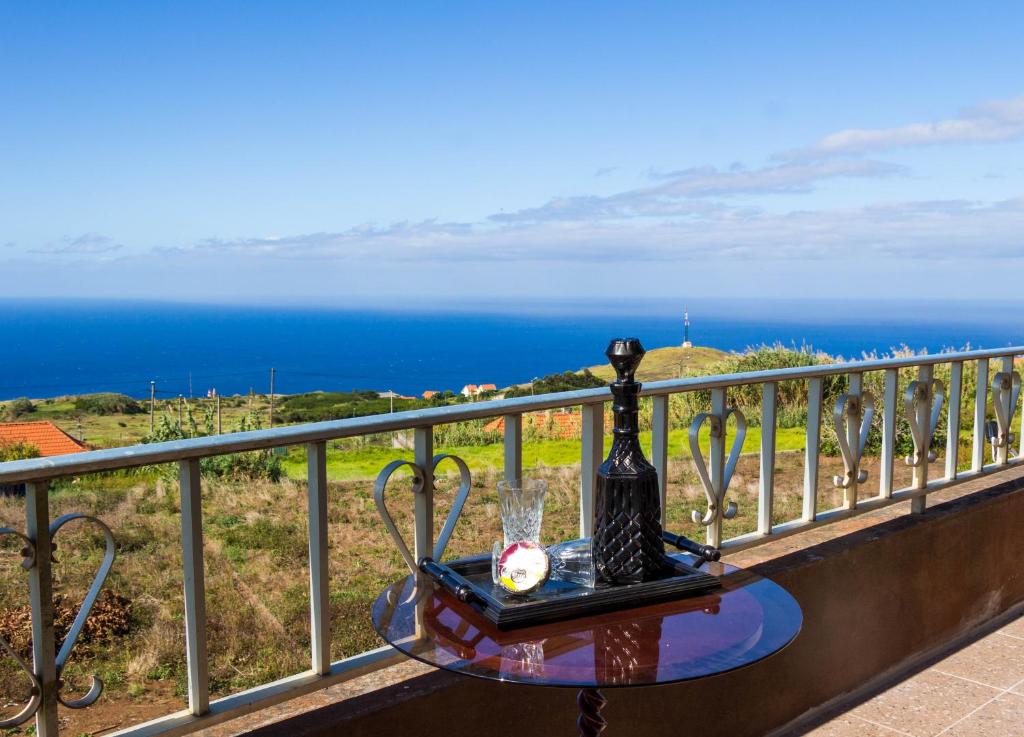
878	592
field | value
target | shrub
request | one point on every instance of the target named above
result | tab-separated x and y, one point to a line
563	382
257	464
20	407
17	451
108	404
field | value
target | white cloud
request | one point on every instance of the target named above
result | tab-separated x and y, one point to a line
1000	120
87	244
930	230
676	194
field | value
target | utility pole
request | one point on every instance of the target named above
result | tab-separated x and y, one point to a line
152	405
219	427
392	393
271	397
180	400
190	385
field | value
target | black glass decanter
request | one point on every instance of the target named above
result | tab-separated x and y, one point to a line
627	543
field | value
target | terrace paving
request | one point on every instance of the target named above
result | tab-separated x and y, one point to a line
976	690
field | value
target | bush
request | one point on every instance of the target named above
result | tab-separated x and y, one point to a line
20	407
563	382
903	446
108	404
17	451
792	395
257	464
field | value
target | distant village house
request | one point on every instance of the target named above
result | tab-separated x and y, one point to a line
472	390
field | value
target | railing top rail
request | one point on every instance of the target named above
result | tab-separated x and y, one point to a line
177	450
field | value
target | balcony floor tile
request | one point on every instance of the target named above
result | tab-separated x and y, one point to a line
1014	628
1001	717
996	660
925	704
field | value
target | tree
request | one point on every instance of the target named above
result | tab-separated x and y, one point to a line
20	407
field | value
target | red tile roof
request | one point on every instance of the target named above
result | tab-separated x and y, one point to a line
563	425
47	437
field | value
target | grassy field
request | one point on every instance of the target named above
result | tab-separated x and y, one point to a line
366	463
108	431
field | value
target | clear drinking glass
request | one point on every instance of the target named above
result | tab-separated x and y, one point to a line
522	509
573	562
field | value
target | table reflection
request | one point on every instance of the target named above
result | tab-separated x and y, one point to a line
745	620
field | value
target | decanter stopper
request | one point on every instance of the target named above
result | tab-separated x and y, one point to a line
627	544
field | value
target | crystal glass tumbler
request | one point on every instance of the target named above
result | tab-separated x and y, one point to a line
522	509
573	562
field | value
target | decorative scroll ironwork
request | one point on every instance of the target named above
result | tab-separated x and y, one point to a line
1003	384
855	405
918	393
28	553
716	497
96	683
465	484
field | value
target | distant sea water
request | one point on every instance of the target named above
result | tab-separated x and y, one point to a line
55	347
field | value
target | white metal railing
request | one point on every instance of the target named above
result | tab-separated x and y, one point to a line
922	402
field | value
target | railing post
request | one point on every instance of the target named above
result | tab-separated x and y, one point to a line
856	389
592	455
319	579
1003	451
423	456
513	447
956	378
766	487
811	447
659	446
195	586
717	470
980	398
889	418
924	414
44	648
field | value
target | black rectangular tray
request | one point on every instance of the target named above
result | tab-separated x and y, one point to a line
558	600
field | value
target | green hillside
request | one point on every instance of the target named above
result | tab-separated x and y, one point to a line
667	363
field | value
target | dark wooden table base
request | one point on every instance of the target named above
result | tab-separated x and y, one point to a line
590	721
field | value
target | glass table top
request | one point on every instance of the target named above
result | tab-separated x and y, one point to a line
745	620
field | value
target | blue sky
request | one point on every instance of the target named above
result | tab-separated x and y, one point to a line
344	151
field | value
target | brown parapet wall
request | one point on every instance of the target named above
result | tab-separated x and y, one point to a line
878	592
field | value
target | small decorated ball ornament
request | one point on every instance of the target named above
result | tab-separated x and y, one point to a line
523	567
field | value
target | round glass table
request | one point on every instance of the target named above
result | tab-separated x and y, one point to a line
745	620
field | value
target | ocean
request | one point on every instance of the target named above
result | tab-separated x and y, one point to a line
55	347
